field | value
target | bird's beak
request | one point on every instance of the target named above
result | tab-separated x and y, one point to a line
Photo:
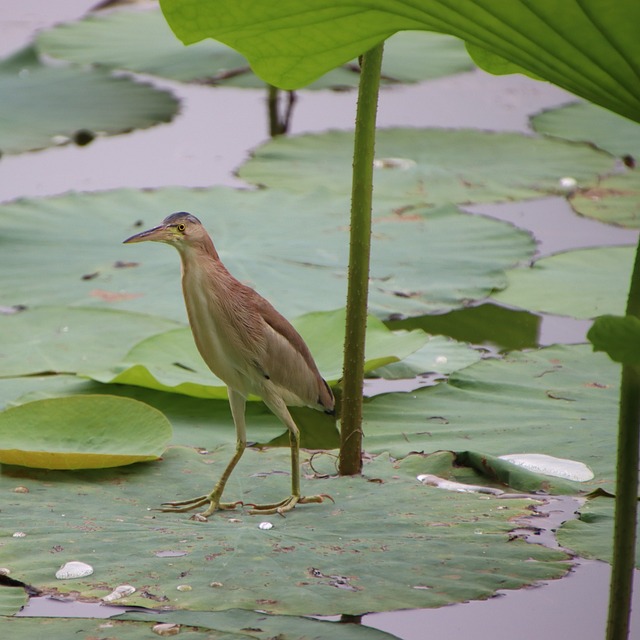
162	233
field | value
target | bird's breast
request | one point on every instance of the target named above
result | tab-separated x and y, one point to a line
215	335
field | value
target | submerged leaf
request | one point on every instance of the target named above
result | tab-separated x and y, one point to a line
82	432
618	336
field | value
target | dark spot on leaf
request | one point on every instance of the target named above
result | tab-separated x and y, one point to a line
90	276
122	264
83	137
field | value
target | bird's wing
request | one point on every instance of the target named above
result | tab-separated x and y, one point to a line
288	363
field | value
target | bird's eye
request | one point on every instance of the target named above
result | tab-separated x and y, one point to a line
181	227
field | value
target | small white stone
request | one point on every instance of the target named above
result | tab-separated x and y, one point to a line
74	569
265	526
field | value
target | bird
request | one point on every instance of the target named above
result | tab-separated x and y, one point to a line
250	346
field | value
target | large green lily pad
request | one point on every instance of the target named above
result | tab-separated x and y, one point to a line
584	122
82	432
324	559
42	104
71	339
559	401
170	361
583	283
191	625
290	47
292	247
141	41
434	166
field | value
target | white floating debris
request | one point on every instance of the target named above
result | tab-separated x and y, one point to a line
74	569
449	485
550	466
19	534
122	591
394	163
265	526
184	587
215	585
567	183
166	629
4	571
441	360
21	489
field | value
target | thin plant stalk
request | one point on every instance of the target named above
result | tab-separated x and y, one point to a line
350	462
626	508
279	117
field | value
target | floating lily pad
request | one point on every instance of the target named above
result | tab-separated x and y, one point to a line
170	361
323	559
583	122
43	105
68	340
583	283
82	432
615	200
559	401
434	166
292	248
141	41
190	625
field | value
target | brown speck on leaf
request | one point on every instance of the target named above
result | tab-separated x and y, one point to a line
90	276
113	296
122	264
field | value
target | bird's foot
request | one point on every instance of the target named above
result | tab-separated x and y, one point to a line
212	500
287	504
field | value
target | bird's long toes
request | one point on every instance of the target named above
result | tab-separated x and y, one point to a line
180	506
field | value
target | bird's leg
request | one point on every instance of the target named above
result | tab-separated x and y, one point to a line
237	403
280	409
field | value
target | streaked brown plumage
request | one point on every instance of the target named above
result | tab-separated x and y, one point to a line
247	344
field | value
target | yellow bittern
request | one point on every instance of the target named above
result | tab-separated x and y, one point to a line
248	345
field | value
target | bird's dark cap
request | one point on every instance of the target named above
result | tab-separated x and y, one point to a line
181	216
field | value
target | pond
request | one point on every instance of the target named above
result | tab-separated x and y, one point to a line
206	143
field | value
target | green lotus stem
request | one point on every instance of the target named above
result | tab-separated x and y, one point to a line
626	511
359	254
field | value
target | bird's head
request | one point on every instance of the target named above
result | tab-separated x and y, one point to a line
179	229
